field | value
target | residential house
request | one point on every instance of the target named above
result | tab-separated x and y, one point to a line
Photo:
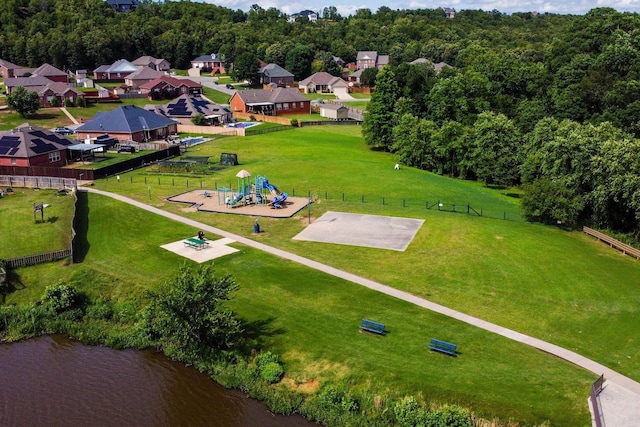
449	12
213	63
9	70
167	87
52	73
370	59
334	111
355	76
186	107
33	83
62	93
153	63
123	5
116	71
308	14
142	76
273	73
436	66
128	123
323	82
270	102
28	145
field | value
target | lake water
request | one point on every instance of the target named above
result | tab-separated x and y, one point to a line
53	381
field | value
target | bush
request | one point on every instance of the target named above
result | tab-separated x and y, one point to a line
449	416
55	102
252	118
294	122
60	297
272	372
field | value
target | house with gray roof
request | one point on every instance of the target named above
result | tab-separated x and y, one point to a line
270	102
305	14
185	107
436	66
153	63
129	123
61	92
213	63
123	5
33	83
323	82
370	59
168	87
52	73
116	71
28	145
273	73
142	76
9	70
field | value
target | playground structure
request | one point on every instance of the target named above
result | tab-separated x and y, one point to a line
248	193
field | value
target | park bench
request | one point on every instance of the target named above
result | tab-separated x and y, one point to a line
371	326
196	243
443	347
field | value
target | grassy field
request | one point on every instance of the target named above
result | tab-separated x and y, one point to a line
22	234
557	285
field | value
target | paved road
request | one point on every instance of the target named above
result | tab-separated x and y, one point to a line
612	376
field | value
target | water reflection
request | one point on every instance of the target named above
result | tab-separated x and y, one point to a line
54	381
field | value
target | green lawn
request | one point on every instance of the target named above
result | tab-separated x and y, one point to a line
22	234
559	286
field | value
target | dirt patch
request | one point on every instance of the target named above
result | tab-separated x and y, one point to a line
308	387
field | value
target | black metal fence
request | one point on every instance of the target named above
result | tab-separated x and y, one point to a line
596	388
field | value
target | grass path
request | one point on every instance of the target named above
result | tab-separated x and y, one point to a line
560	352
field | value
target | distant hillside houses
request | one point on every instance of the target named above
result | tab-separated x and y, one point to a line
309	14
123	5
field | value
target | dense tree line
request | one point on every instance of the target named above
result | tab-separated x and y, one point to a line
561	120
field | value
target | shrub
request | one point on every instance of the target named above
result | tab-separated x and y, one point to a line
252	118
199	120
60	297
294	122
55	102
67	102
449	416
272	372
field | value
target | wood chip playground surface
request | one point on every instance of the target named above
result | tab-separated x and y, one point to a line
214	201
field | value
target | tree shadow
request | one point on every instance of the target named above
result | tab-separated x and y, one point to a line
52	219
81	226
255	332
12	284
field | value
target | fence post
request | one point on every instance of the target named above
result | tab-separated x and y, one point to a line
326	195
145	179
454	207
158	180
363	198
131	179
404	205
439	204
293	192
343	197
468	209
173	182
382	200
201	184
504	215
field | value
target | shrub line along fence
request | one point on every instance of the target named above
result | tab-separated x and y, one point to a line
596	388
623	247
43	183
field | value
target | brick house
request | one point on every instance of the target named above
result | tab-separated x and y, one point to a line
28	145
166	87
275	74
128	123
153	63
270	102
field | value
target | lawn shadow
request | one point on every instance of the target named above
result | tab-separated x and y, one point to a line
81	244
255	331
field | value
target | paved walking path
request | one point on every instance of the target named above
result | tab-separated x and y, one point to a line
612	376
68	114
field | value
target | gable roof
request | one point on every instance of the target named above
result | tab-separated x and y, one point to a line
269	96
27	141
437	66
172	81
120	66
125	119
144	60
58	88
365	55
209	58
8	65
322	78
274	70
145	73
189	106
48	70
27	82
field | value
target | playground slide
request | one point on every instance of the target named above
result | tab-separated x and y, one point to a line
278	196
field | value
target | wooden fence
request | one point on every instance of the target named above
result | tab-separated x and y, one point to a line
59	254
29	260
210	130
262	118
20	181
623	247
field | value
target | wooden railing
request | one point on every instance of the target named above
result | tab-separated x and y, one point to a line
29	260
626	249
596	409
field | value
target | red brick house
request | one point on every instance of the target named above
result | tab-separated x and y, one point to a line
270	102
167	87
9	70
212	63
60	91
52	73
128	123
28	145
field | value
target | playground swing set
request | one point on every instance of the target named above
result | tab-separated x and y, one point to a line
250	193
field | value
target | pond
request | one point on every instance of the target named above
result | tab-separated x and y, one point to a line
52	380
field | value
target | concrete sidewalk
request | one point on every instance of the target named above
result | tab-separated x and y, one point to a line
629	397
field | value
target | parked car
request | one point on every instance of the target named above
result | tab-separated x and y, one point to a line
64	131
230	86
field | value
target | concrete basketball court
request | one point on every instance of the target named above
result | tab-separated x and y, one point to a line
216	249
372	231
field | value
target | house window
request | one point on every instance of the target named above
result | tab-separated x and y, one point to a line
294	105
286	105
54	157
13	161
278	106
